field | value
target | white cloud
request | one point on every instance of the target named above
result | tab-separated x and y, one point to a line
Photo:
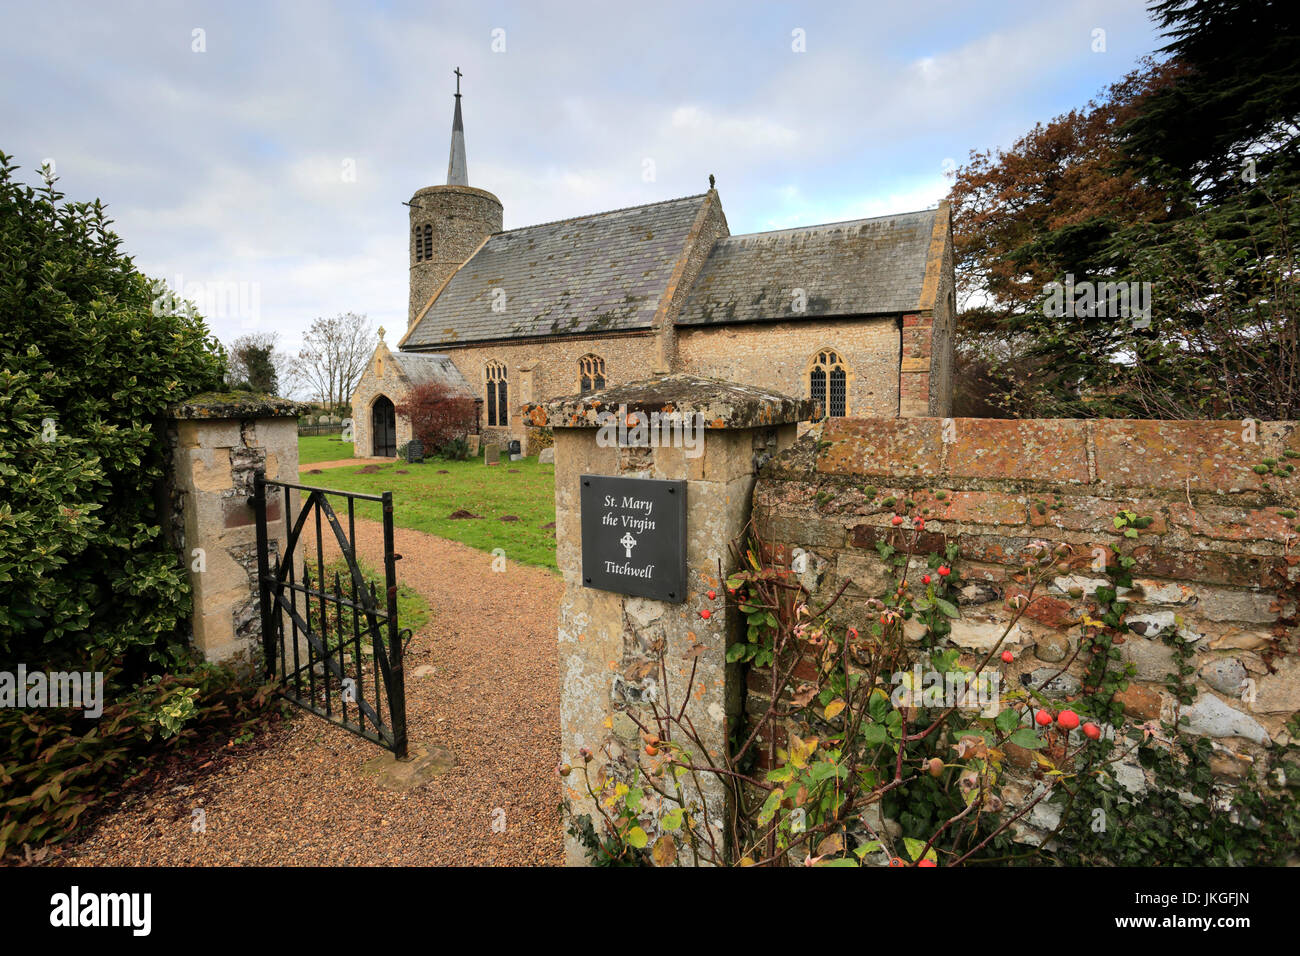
226	166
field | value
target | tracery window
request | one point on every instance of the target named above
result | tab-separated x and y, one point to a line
828	383
498	408
592	373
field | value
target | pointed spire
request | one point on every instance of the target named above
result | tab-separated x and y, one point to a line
457	174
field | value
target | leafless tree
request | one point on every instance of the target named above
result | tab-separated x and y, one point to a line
333	356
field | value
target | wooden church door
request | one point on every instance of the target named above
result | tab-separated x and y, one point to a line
383	428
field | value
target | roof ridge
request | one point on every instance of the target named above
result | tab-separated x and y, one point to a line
593	215
826	225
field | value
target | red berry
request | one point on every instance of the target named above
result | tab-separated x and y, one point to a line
944	571
1091	731
925	579
927	863
712	595
1068	719
1043	718
1008	657
706	614
896	521
897	861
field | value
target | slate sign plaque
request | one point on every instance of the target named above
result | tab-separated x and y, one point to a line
634	536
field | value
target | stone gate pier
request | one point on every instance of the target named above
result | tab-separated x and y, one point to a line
713	436
218	442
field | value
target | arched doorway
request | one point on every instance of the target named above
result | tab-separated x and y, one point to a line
383	428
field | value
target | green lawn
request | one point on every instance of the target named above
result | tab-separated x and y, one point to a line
423	499
322	448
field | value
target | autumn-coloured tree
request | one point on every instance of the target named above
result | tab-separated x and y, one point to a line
1181	178
1032	214
437	414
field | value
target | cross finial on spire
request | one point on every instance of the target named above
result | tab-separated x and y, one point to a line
456	174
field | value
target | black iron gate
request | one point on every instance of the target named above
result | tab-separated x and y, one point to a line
340	655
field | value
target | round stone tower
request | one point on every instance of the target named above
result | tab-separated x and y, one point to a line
447	222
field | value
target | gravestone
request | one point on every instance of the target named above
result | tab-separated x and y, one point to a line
490	454
415	451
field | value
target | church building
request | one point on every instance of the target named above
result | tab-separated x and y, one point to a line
856	315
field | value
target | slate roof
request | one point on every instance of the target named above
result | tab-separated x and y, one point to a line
423	369
598	273
860	267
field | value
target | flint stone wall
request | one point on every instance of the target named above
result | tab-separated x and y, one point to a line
1217	564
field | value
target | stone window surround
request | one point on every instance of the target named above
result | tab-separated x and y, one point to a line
590	367
496	379
815	361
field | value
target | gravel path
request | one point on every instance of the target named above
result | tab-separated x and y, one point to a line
308	467
492	698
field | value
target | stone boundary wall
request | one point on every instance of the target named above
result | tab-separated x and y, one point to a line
1218	562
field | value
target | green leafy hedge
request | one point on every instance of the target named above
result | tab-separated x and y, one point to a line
91	358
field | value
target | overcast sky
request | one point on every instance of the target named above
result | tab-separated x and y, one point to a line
272	143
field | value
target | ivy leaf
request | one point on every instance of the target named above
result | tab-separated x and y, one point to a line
1007	720
1025	737
946	607
878	705
873	735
